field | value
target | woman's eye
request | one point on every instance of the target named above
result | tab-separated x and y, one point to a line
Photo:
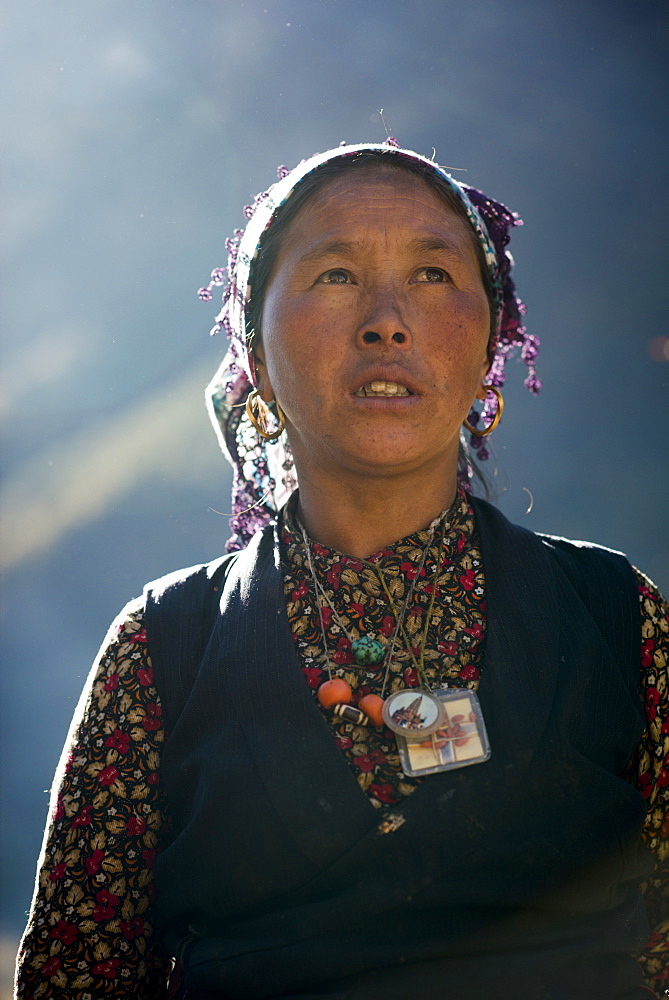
335	277
432	274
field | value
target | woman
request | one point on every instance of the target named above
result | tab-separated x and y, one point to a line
355	766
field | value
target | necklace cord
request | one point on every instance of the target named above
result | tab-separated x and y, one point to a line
419	665
321	595
318	603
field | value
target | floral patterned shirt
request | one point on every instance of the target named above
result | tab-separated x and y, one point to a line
90	932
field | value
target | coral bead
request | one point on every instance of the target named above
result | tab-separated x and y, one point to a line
334	692
372	706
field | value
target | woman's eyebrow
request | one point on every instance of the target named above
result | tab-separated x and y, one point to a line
420	245
332	248
436	244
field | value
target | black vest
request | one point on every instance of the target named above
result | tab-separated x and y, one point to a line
516	879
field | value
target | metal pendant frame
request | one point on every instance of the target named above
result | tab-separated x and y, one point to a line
413	713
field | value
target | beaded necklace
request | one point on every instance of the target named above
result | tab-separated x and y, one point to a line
336	693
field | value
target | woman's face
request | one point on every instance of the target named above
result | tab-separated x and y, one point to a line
375	328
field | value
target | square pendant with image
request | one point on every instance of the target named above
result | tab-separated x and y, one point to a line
460	740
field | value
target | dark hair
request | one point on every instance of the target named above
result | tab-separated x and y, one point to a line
271	241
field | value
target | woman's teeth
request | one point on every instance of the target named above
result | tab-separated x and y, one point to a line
383	389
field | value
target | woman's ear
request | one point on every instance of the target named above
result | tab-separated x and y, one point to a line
262	377
482	390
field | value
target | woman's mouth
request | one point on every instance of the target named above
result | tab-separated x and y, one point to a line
383	389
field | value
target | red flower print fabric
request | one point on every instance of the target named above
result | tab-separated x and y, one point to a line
90	931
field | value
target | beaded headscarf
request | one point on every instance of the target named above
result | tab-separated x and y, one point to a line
263	472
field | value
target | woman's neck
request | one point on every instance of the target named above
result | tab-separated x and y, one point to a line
361	517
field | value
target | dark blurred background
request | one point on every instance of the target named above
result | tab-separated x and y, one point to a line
133	134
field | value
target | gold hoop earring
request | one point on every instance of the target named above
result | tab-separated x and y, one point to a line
260	421
495	420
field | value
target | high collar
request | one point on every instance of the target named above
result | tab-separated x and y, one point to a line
458	521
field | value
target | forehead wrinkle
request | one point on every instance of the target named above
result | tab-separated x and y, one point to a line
437	244
418	245
332	248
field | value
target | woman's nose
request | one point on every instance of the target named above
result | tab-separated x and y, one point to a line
373	337
384	321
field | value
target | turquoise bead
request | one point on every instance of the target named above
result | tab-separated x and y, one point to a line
367	651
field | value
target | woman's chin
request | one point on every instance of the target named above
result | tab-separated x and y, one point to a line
396	457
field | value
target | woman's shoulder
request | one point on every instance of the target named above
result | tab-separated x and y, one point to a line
603	578
579	552
192	588
205	575
583	554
